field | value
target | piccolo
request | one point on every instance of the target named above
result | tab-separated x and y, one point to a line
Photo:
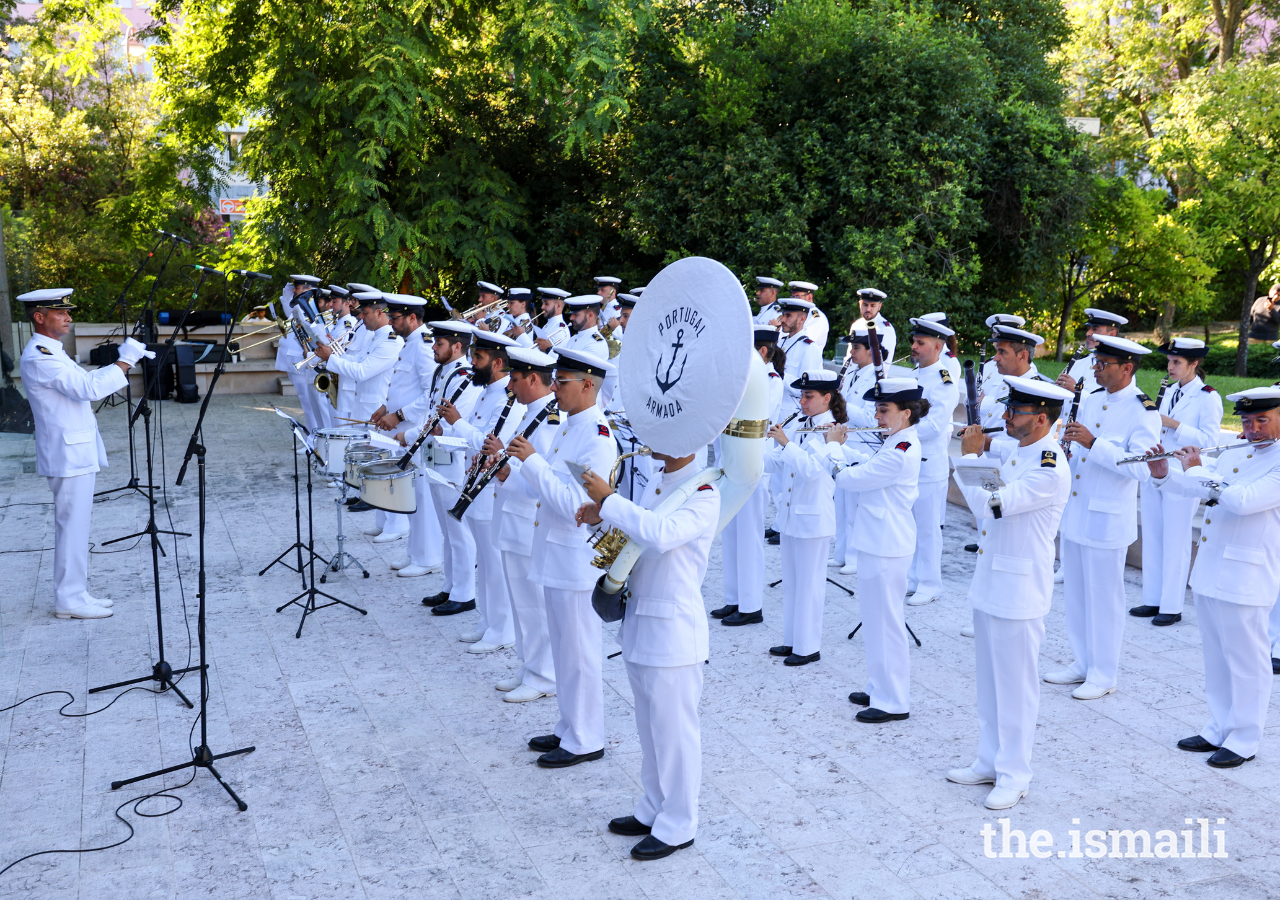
1170	454
992	430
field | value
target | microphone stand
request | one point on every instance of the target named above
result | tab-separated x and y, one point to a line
161	671
123	301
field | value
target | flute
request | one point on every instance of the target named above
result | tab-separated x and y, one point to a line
1170	454
819	429
991	430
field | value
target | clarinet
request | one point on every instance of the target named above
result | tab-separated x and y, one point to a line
877	358
405	461
497	430
1164	386
1071	417
971	394
487	474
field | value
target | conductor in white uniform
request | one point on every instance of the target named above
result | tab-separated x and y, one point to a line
69	449
1013	583
664	645
1236	575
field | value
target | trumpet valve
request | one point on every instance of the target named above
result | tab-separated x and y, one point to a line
608	544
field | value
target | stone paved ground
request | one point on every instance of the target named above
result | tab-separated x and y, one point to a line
387	766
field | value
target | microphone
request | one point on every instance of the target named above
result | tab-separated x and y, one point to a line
245	273
208	269
172	236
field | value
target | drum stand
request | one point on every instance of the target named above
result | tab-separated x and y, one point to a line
297	521
307	599
342	559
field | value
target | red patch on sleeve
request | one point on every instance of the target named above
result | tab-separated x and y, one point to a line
603	430
1207	387
904	446
706	487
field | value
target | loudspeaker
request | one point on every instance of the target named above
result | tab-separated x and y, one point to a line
162	382
184	357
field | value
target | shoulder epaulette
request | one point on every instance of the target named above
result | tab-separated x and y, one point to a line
1147	402
1208	387
904	446
1048	459
1095	390
510	394
596	336
807	340
603	431
774	374
946	375
1038	377
43	349
391	336
426	338
553	418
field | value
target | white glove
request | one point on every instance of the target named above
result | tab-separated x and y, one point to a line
131	351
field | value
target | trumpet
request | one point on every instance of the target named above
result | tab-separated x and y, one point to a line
1170	454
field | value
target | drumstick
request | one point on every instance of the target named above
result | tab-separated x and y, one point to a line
357	421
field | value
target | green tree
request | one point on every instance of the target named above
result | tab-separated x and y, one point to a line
1223	140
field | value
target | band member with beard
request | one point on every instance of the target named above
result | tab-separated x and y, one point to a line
549	327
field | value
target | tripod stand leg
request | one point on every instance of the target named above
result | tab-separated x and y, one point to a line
240	804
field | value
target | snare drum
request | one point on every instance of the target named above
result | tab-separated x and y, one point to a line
359	453
384	486
331	445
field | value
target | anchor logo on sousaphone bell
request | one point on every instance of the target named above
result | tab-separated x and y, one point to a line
668	382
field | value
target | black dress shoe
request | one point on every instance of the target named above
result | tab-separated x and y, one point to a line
1144	612
544	742
629	826
770	533
741	618
1227	759
780	651
453	607
876	716
727	610
359	506
774	539
561	758
352	501
652	848
1275	666
861	698
436	599
1196	744
797	660
971	548
1166	619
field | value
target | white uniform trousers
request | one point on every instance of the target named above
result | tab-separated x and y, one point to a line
307	397
492	601
72	507
1273	629
742	554
347	406
926	565
1166	548
1237	673
804	592
850	500
1008	652
458	548
576	649
882	590
529	613
843	525
392	523
325	409
1093	588
666	699
425	538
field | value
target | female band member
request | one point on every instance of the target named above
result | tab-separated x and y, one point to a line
800	471
884	532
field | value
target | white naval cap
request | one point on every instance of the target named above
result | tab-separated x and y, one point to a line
897	389
1024	391
304	279
492	338
554	292
930	327
872	295
639	290
359	286
1015	335
607	279
1005	319
583	301
369	298
802	286
340	291
1254	400
795	304
1120	348
817	380
579	361
446	327
47	298
1102	317
530	359
1187	348
488	287
519	293
405	302
766	280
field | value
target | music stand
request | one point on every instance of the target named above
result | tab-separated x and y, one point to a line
310	591
297	544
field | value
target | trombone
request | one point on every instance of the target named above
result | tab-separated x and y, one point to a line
481	310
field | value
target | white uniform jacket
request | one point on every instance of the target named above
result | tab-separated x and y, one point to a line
1103	509
665	622
409	391
1013	578
556	330
767	314
561	555
804	354
519	498
862	413
883	328
1197	408
444	382
370	371
935	429
818	327
62	395
1236	559
800	479
479	424
888	481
